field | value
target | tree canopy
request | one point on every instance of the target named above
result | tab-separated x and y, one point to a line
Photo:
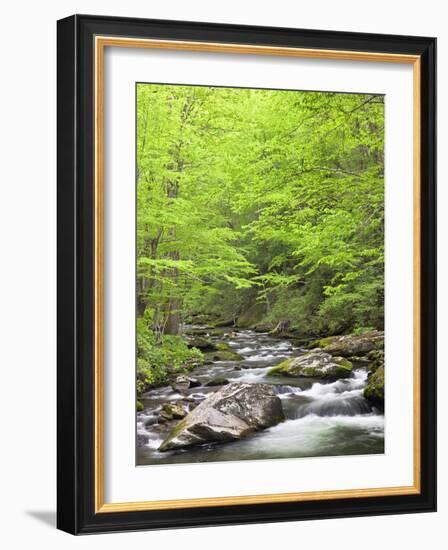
258	197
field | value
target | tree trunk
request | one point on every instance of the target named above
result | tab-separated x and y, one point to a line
173	323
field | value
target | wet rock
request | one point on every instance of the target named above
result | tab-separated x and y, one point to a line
201	343
150	421
195	398
376	359
172	411
225	323
183	383
194	382
224	356
217	381
233	412
263	327
141	440
315	363
359	362
352	344
374	390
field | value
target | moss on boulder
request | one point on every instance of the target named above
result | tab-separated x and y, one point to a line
196	331
376	359
322	342
222	346
353	344
226	355
201	343
316	364
172	411
374	390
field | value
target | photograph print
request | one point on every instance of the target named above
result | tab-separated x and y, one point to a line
259	274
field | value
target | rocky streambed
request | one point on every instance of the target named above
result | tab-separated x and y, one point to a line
262	396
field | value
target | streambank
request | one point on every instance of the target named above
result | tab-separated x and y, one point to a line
323	416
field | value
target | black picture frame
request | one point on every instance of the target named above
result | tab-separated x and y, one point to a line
76	272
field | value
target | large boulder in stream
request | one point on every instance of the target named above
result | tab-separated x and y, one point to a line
315	363
233	412
351	345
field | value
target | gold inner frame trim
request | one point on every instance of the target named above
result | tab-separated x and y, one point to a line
101	42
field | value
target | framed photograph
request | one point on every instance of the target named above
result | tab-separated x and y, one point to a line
246	274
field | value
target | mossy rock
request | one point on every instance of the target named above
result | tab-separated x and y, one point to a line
201	343
172	411
321	342
140	406
359	362
343	363
263	327
217	381
226	355
222	346
281	368
355	344
202	319
196	331
376	358
374	390
314	364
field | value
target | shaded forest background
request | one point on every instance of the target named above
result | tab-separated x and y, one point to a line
257	208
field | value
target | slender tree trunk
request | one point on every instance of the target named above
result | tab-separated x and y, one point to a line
172	325
174	309
140	300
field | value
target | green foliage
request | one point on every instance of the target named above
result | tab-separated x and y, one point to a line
186	241
249	197
159	360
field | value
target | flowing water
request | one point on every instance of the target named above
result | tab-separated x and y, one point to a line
322	418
